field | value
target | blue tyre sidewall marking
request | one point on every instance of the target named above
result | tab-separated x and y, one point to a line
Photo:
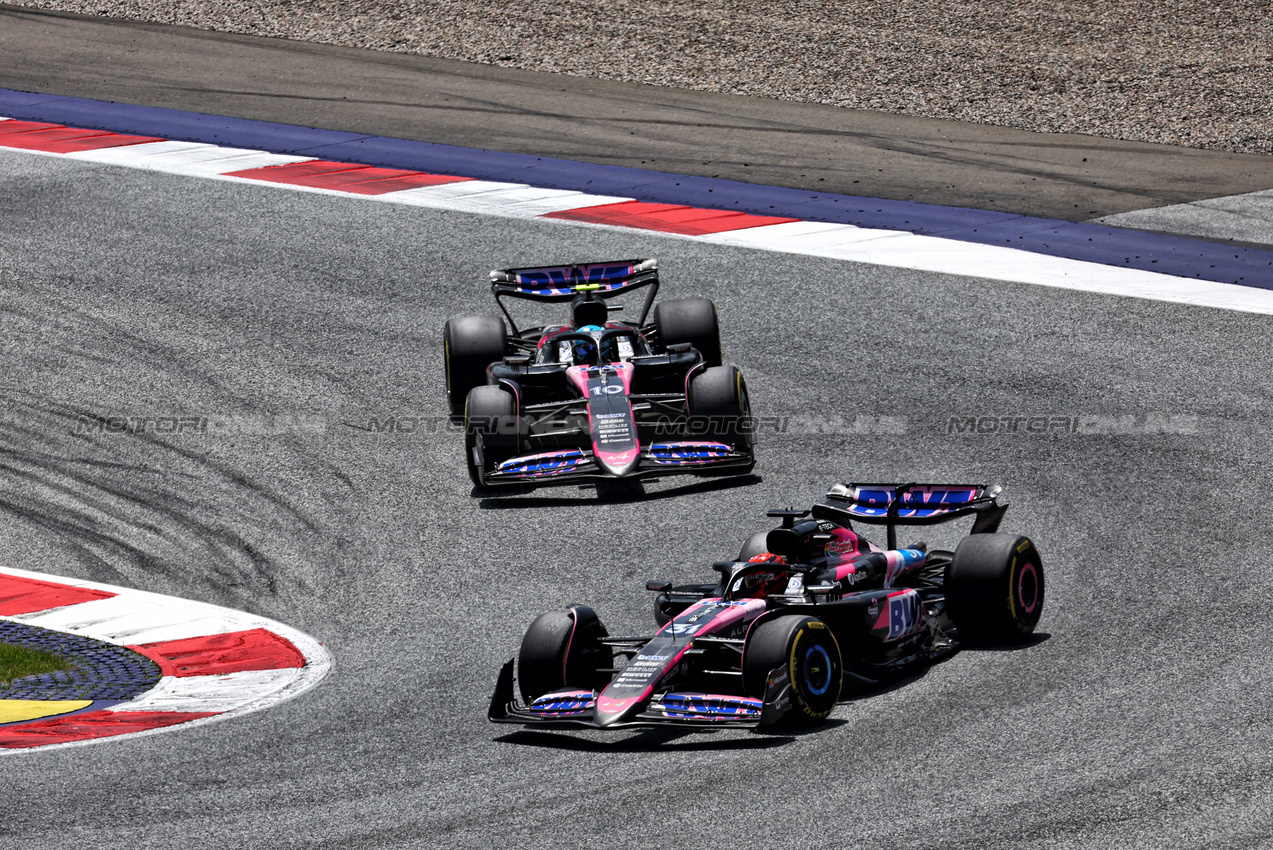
826	659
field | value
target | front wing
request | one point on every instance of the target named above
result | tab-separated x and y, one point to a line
568	708
564	466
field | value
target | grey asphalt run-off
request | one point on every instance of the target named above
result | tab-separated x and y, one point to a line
291	320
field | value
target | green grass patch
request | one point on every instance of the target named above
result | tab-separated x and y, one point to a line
19	661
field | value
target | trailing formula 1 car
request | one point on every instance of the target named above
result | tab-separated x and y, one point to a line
804	609
597	398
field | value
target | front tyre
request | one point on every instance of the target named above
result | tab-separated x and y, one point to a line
807	650
691	320
490	417
563	649
994	588
719	407
469	345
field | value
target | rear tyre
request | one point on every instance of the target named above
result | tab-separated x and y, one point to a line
994	588
563	649
490	415
807	650
719	407
691	320
469	345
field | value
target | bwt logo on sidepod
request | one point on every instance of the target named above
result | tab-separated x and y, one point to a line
905	614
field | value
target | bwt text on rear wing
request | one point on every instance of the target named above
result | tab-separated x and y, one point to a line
892	505
562	283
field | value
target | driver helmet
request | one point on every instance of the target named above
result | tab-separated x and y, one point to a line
585	351
767	583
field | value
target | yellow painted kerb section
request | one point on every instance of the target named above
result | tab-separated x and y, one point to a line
16	710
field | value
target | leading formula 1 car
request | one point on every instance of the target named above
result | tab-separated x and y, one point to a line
805	608
597	398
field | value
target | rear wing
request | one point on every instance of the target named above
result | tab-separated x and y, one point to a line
563	283
892	505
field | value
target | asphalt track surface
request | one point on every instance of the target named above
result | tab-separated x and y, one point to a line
293	320
298	318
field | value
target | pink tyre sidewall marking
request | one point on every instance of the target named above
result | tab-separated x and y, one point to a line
1028	569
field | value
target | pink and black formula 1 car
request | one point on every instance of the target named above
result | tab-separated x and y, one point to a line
597	398
805	609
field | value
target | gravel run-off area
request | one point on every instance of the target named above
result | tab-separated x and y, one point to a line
1177	72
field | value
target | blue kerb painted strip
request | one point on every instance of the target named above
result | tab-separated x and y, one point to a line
1190	258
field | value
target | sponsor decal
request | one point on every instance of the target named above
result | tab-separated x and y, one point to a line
708	705
919	502
905	614
541	464
840	548
752	608
689	452
561	705
561	280
779	685
634	679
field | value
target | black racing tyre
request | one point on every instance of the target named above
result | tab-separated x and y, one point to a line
469	345
994	588
563	649
811	656
719	407
491	413
757	544
691	320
